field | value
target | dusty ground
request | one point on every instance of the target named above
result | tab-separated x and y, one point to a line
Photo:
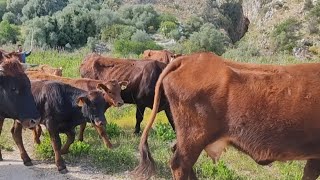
12	168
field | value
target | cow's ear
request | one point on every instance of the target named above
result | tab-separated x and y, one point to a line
82	100
123	84
102	87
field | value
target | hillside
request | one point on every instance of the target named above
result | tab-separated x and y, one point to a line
261	15
127	27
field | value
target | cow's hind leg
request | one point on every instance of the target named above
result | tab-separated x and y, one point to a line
311	169
139	118
56	145
1	125
70	139
81	131
16	132
170	117
37	131
182	162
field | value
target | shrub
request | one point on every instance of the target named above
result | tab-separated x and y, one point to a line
117	31
207	39
167	26
284	36
140	36
45	150
126	47
113	130
79	148
168	17
218	171
164	132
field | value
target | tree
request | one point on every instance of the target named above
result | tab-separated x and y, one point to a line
42	8
15	6
3	6
10	17
8	33
143	17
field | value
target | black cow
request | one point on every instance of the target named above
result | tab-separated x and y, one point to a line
142	77
62	108
16	100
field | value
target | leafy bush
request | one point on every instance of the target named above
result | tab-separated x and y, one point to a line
45	150
8	33
192	24
207	39
164	132
284	35
167	26
140	36
113	130
126	47
168	17
79	148
3	6
117	31
217	171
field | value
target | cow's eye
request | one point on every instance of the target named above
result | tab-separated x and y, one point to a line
15	90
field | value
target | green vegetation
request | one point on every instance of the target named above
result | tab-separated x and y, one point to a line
284	35
8	33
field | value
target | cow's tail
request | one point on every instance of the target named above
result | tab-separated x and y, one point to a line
146	167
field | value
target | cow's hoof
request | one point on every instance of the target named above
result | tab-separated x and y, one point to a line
137	133
63	171
1	159
28	163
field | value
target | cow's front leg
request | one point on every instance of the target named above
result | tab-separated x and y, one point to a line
56	145
16	132
103	134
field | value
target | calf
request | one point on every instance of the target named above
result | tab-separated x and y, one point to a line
111	88
271	114
62	108
16	100
142	77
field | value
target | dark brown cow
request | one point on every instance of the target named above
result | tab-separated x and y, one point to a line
112	96
10	55
142	77
16	100
164	56
271	114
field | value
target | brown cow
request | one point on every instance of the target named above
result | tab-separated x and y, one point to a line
47	69
271	116
164	56
142	77
112	96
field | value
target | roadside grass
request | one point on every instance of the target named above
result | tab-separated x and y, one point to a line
124	157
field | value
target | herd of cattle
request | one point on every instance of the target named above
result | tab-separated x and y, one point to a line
270	112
